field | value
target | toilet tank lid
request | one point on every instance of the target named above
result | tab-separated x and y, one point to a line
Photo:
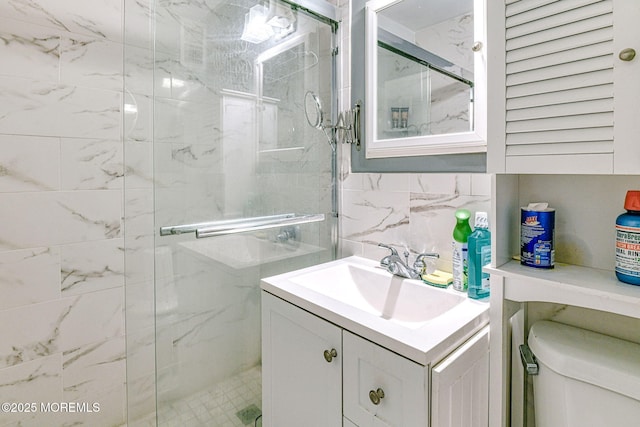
588	356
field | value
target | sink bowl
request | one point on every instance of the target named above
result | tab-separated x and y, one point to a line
376	291
415	320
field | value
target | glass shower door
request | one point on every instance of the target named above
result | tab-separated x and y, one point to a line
243	189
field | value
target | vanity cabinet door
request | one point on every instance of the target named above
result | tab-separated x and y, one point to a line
382	388
460	385
301	385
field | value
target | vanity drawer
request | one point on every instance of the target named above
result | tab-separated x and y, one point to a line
381	388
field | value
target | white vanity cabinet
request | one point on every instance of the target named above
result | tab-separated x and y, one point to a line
363	384
565	87
301	367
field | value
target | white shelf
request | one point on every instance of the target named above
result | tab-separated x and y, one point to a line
571	285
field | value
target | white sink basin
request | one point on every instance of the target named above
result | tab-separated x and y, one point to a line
407	302
407	316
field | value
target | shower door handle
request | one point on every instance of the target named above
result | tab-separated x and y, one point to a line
263	225
240	225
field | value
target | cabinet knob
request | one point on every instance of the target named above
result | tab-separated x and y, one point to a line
376	395
330	354
477	47
627	54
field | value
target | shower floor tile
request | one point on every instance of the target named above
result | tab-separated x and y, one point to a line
225	404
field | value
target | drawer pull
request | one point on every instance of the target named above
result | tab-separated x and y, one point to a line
330	354
376	395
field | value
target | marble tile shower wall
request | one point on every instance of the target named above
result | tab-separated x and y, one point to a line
62	242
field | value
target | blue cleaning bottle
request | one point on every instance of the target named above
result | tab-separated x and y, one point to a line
628	240
479	255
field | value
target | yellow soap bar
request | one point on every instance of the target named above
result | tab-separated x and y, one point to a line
438	278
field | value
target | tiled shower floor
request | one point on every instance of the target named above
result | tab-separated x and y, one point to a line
225	404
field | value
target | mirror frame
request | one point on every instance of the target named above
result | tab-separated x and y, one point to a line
454	143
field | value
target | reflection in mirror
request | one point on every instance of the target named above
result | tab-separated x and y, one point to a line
421	90
420	93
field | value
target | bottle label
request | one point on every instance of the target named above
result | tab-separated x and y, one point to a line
460	266
485	258
628	250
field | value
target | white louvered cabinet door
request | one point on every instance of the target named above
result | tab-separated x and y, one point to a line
460	385
572	104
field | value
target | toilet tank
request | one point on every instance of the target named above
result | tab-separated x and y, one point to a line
585	379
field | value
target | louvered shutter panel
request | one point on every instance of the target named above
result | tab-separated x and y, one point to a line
559	80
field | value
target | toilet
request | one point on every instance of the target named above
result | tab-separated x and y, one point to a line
585	379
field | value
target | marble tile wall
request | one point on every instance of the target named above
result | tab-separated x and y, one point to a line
62	244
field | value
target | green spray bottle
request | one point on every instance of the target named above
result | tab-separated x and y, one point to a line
461	233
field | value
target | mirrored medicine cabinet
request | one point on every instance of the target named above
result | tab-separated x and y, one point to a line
420	66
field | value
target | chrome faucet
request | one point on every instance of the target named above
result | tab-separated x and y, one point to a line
399	267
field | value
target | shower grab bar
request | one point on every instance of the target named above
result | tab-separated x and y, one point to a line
237	224
258	225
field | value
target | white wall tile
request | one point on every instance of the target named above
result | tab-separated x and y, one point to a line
376	216
91	164
434	183
29	51
102	18
91	266
96	373
31	332
43	219
397	182
91	61
38	381
47	109
29	276
91	317
29	163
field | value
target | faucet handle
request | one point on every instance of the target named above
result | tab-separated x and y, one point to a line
392	249
422	256
419	264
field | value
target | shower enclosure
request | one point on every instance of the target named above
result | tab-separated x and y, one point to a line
243	188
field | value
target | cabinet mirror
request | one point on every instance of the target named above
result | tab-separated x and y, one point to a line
425	77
